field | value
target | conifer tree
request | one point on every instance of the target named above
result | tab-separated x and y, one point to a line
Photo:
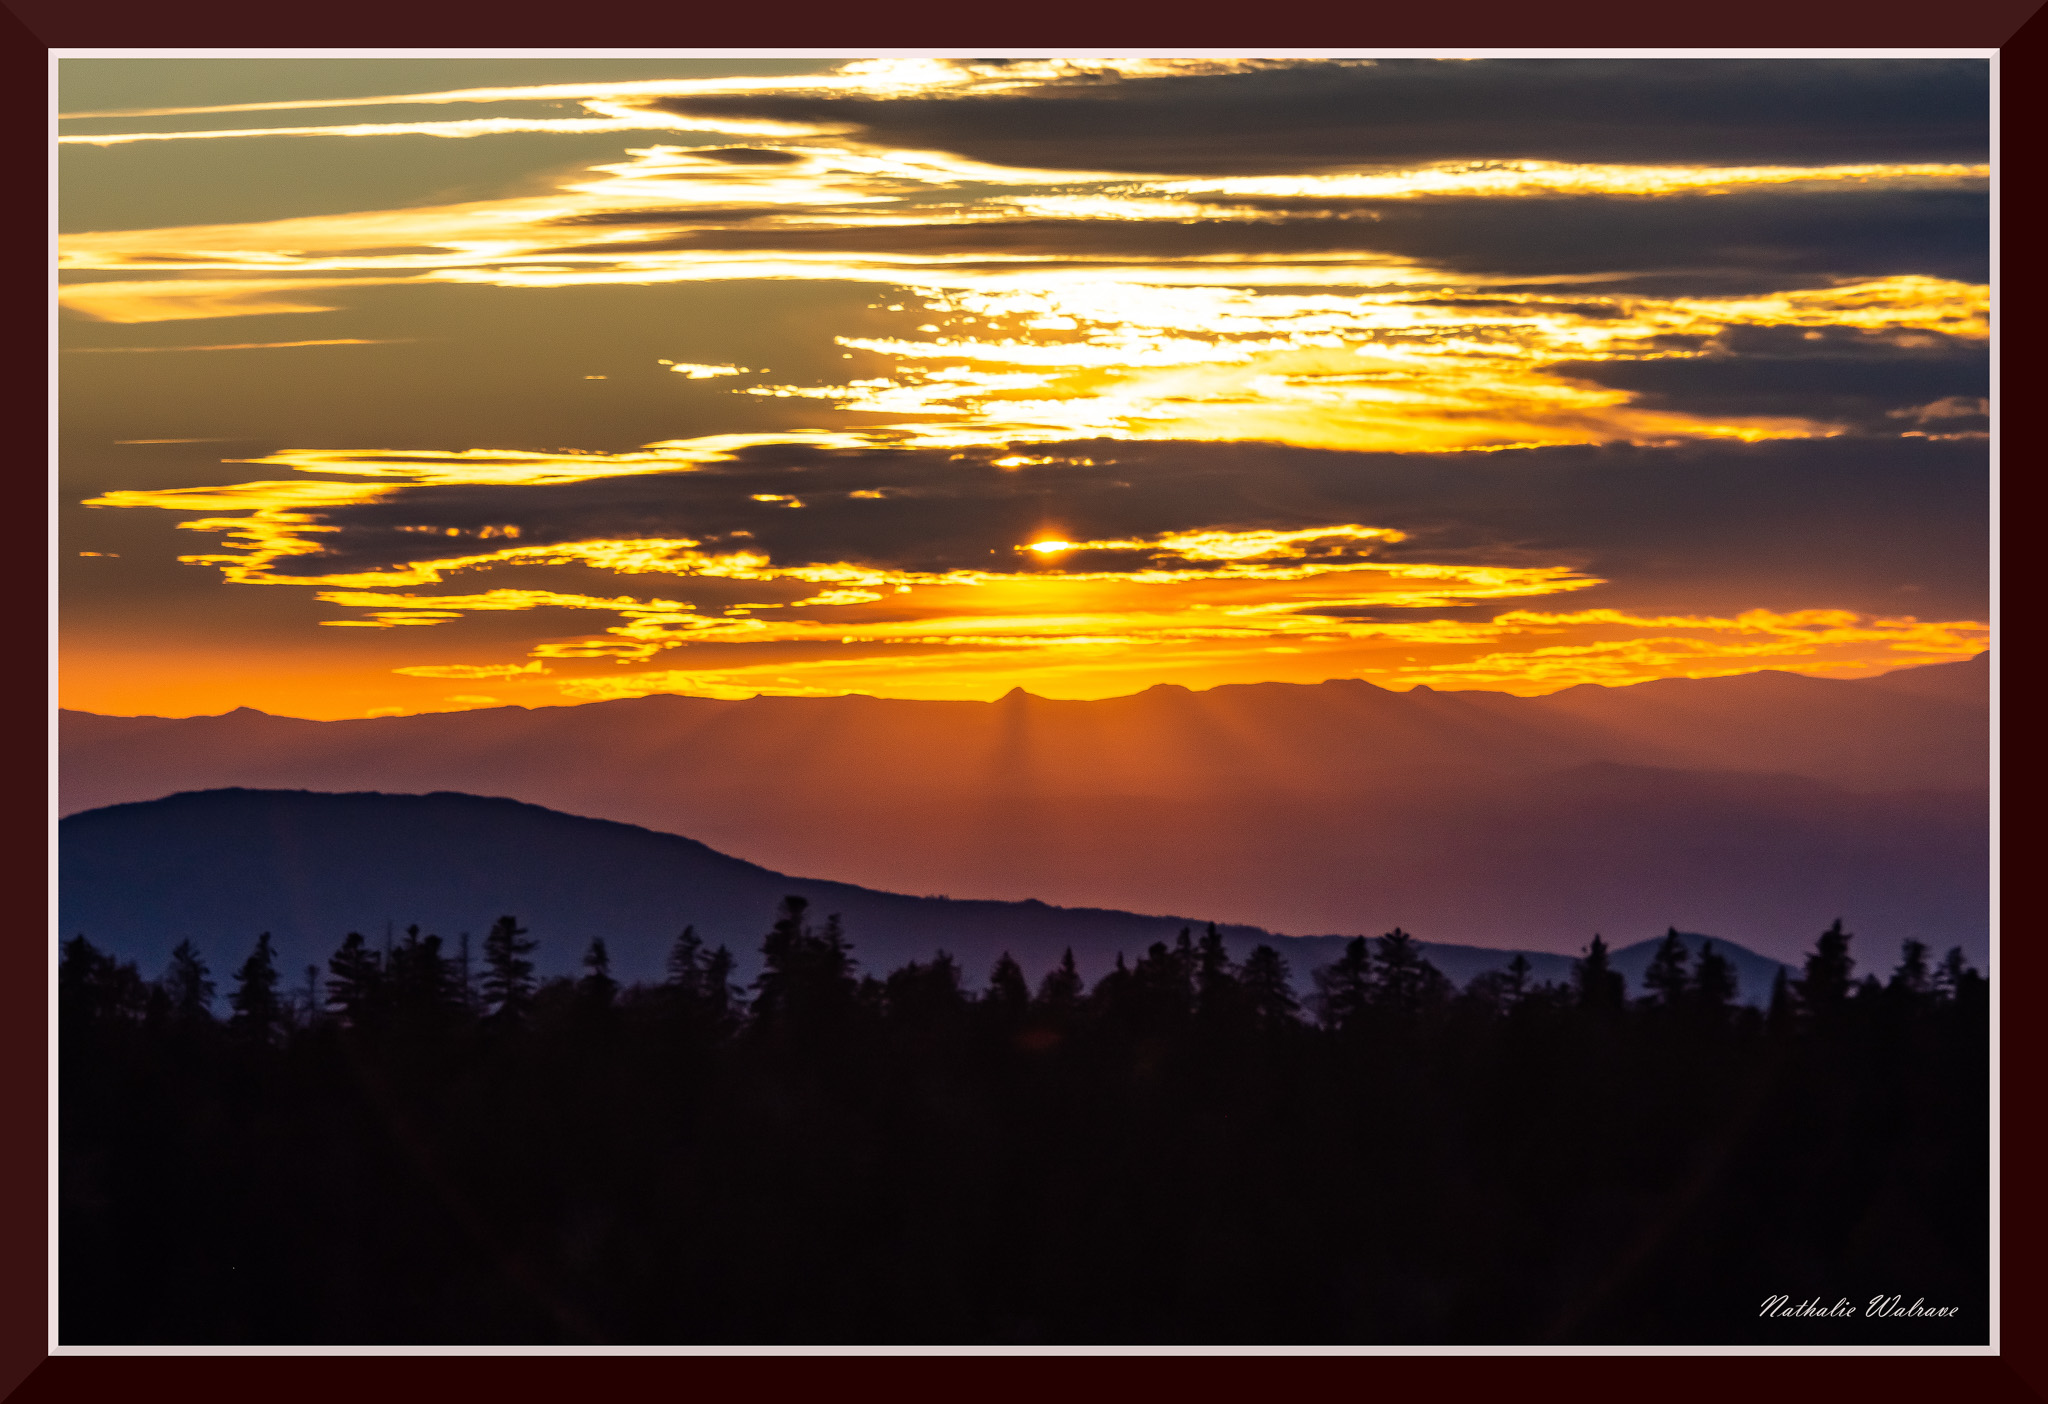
1825	988
421	982
93	986
1162	983
686	964
508	974
1516	985
1666	977
1714	981
1008	997
1955	979
1344	989
722	995
1268	995
1405	979
1110	1000
806	976
186	983
1218	987
1600	986
355	980
1780	1017
1059	993
598	988
1912	977
925	996
258	1013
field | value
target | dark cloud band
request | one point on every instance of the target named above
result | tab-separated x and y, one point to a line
1764	234
1400	111
1854	521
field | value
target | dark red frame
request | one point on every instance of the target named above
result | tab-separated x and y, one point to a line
29	29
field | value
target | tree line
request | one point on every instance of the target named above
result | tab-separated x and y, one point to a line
412	1147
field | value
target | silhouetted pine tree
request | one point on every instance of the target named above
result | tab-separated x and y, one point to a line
1600	986
258	1013
1059	993
1267	990
1219	991
1714	982
686	964
508	974
1825	989
1517	984
1955	979
1345	988
1111	1000
1404	979
421	983
1666	978
1784	1008
1912	979
597	988
1008	998
722	995
925	998
93	987
185	982
806	980
355	981
1162	986
309	1002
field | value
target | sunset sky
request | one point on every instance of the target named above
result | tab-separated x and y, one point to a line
400	385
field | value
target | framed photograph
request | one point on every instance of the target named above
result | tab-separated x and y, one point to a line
1046	701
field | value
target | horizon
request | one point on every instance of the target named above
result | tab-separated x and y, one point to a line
1015	691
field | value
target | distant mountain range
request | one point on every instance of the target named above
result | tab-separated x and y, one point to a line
219	866
1764	805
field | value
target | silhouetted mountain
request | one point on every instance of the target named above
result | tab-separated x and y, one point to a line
219	866
1766	804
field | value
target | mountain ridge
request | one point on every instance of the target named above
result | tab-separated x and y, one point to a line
1485	818
308	867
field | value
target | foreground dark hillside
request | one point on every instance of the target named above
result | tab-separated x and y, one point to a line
1177	1154
218	866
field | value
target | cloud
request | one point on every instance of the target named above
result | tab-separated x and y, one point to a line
1818	642
1849	233
183	299
1093	541
244	346
695	371
471	670
1422	314
1410	111
1868	380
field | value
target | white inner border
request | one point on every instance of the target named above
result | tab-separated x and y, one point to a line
1053	52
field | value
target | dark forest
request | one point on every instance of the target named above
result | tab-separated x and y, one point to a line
427	1145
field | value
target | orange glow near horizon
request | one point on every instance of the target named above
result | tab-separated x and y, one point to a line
1515	651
